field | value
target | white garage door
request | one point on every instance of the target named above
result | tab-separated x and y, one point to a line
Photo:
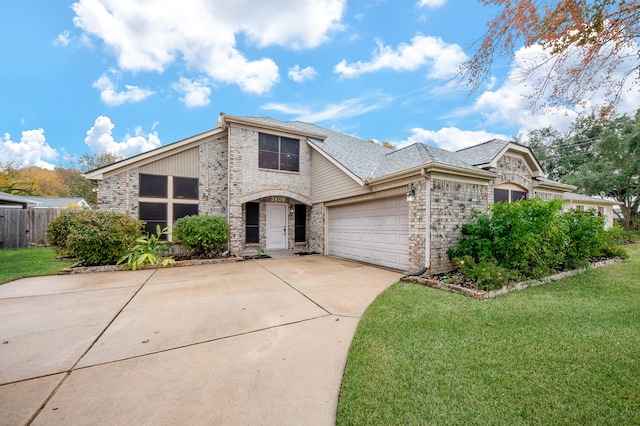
374	232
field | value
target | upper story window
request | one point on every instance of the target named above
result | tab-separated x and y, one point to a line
278	153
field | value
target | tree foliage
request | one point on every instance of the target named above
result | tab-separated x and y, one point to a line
63	181
601	156
585	41
614	170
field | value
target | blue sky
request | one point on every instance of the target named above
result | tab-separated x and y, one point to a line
127	76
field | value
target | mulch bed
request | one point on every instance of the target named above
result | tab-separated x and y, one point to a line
456	283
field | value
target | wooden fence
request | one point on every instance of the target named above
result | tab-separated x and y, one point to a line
20	228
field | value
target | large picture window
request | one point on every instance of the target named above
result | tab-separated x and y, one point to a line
278	153
300	223
252	223
165	199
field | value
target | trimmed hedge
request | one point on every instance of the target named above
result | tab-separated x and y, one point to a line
93	237
202	235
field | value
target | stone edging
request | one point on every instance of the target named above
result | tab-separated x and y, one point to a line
110	268
482	295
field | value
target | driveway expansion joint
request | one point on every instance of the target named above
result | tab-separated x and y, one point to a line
67	373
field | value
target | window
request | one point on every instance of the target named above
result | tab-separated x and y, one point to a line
153	214
518	195
506	195
182	210
500	195
300	223
165	199
153	186
252	223
278	153
186	188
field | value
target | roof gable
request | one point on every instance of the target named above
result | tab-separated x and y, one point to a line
487	154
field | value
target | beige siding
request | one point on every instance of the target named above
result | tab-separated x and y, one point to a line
184	164
328	182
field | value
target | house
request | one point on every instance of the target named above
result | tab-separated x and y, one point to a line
290	184
10	201
39	202
68	203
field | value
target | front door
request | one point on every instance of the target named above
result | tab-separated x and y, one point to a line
276	226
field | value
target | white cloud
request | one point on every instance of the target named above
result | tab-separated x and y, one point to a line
196	92
63	39
431	3
31	150
203	34
449	138
348	108
300	75
99	139
443	58
510	102
110	95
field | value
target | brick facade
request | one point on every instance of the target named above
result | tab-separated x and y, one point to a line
213	178
418	217
452	205
247	182
119	193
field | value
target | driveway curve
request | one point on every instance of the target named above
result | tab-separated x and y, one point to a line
258	342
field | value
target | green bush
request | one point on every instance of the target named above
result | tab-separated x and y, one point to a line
487	275
531	239
93	237
202	235
586	237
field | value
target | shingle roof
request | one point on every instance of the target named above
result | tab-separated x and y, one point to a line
483	153
57	202
416	155
10	199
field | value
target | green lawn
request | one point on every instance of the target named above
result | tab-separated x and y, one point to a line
21	263
563	353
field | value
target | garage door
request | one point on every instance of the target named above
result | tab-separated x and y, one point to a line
373	232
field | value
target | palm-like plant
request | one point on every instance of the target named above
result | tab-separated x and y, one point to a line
149	250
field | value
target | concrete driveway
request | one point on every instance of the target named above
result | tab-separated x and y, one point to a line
255	342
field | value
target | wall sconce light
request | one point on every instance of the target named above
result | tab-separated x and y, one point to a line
411	194
292	209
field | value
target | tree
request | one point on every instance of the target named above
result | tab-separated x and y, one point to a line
561	154
614	170
586	42
75	184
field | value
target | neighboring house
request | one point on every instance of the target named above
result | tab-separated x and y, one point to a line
68	203
15	201
601	207
287	185
38	202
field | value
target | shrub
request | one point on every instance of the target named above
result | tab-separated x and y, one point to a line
202	235
149	250
523	236
487	275
586	237
93	237
531	239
